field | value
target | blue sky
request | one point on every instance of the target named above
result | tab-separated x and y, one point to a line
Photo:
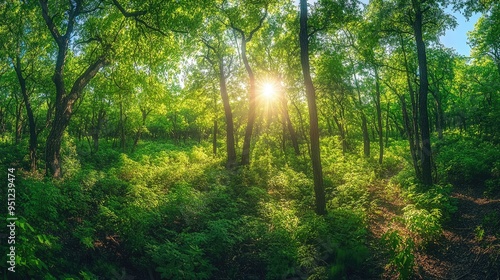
457	38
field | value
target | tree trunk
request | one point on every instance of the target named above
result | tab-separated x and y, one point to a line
29	111
63	113
439	113
53	145
121	126
252	98
2	121
289	125
426	152
145	113
319	189
342	132
252	106
411	136
64	101
19	123
387	126
302	127
379	117
214	138
228	113
96	130
414	139
366	136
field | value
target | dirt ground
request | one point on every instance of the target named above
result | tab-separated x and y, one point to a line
468	249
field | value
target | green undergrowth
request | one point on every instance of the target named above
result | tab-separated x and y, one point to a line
469	162
459	162
176	213
424	212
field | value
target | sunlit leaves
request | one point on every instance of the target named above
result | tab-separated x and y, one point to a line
484	39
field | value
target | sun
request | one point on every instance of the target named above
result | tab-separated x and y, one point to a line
268	91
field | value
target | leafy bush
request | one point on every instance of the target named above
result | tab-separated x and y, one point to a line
424	224
493	184
436	197
465	161
401	249
182	259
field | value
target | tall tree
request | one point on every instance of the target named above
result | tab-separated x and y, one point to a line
245	37
424	20
217	57
65	100
22	43
426	152
319	189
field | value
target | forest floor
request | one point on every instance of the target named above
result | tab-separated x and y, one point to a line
468	249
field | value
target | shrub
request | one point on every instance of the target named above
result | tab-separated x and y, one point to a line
424	224
401	257
182	259
465	161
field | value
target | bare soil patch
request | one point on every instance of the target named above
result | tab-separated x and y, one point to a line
468	249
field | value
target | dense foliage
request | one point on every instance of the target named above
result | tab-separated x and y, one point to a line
155	140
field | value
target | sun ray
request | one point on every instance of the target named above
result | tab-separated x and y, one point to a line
268	91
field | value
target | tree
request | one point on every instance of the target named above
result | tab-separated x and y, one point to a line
246	36
65	100
319	189
485	38
217	57
23	43
418	18
426	152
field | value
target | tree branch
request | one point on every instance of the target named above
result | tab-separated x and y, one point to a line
134	14
85	78
258	27
48	20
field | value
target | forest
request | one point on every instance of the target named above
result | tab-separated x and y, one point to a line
248	139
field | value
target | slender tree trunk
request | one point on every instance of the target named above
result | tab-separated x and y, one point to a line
379	117
145	113
426	152
228	113
342	132
364	122
96	130
498	65
214	138
411	136
19	123
415	142
302	128
252	98
283	135
387	126
2	121
293	136
95	142
319	189
439	114
366	136
122	124
289	125
252	106
29	111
